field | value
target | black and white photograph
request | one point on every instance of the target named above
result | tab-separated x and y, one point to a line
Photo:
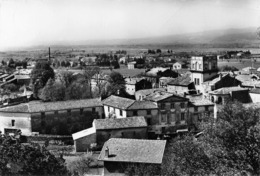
129	87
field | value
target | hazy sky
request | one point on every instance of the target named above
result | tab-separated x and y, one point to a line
35	22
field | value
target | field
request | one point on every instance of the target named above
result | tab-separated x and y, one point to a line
238	64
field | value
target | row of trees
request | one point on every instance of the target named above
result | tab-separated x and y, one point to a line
229	145
66	86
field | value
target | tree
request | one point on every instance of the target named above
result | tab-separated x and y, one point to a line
65	78
234	139
30	159
10	87
40	75
116	83
88	73
77	90
52	91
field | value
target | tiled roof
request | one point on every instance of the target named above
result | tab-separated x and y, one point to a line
255	90
118	102
158	96
227	90
154	71
129	122
143	105
215	80
36	106
149	91
132	80
184	80
200	101
133	150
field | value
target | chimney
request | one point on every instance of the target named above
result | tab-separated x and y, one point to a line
220	76
49	53
118	92
107	152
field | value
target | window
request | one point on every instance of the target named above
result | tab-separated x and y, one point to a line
164	118
135	113
172	105
148	112
182	117
182	105
93	110
148	121
173	117
199	66
162	106
121	112
43	114
193	66
13	122
81	111
122	134
206	108
56	112
69	112
195	109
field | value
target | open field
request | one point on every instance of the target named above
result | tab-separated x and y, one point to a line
240	65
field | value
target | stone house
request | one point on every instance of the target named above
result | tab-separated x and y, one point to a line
173	112
134	84
118	153
225	94
104	129
119	107
177	65
181	85
199	108
61	117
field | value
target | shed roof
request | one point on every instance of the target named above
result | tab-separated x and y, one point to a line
83	133
133	150
129	122
37	106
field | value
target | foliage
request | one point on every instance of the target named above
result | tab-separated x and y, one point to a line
65	78
237	133
40	75
52	91
29	159
81	165
228	68
10	87
77	90
116	83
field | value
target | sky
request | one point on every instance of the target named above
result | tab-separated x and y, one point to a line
26	23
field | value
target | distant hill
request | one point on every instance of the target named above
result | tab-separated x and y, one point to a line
229	36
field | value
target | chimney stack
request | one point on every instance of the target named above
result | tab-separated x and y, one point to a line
107	152
49	53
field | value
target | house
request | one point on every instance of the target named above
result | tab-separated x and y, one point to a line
199	108
61	117
134	84
177	65
141	94
117	154
104	129
172	112
119	107
131	65
255	95
222	80
163	81
203	68
181	85
225	94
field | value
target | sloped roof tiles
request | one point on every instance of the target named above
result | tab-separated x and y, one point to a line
133	151
129	122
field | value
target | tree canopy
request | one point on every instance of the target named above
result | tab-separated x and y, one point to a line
28	159
41	73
